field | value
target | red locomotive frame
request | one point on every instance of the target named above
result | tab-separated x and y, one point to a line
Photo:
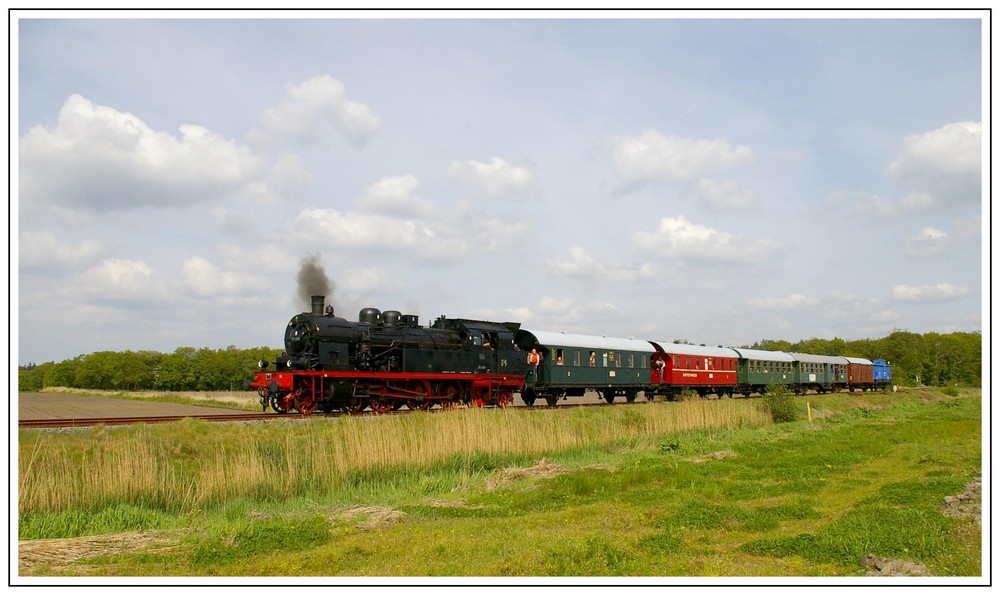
308	390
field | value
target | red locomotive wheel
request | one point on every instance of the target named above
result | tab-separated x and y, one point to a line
478	397
421	388
380	405
279	403
451	391
505	398
305	405
357	405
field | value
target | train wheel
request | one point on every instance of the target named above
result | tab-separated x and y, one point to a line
419	405
381	405
451	391
422	402
528	396
609	395
306	405
357	405
630	396
479	397
505	398
278	404
552	400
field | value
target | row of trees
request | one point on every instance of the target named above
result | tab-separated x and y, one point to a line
932	359
186	368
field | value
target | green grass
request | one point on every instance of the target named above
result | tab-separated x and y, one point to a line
869	475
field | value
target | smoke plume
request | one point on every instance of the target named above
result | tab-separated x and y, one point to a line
312	280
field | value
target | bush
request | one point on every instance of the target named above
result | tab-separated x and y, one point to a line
951	391
780	403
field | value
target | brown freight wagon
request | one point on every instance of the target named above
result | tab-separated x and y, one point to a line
860	374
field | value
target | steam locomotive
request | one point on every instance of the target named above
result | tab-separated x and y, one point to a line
386	360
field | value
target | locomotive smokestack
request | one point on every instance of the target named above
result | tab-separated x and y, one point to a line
312	282
317	305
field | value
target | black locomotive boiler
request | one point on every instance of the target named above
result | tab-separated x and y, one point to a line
386	360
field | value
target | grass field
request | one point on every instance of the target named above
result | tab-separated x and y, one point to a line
875	484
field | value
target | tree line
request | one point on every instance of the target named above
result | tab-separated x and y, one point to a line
932	359
186	369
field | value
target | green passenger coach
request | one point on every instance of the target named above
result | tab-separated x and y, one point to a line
758	368
572	364
821	373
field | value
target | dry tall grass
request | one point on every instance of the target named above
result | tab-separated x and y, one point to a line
191	465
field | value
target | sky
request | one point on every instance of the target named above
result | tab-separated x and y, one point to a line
720	180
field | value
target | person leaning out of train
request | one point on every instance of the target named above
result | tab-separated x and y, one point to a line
533	360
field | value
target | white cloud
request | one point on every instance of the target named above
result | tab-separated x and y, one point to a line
235	222
259	258
678	238
365	281
873	205
727	196
928	293
653	157
584	265
120	279
521	314
491	180
310	109
393	196
488	233
284	182
40	249
100	159
940	168
207	279
335	230
548	304
795	300
930	242
947	162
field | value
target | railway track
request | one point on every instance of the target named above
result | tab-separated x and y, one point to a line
152	419
82	422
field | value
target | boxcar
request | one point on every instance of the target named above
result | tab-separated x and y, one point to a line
572	364
705	370
757	369
881	374
860	374
821	373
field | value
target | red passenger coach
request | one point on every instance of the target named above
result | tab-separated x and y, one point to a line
705	370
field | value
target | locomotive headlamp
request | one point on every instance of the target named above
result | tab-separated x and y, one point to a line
262	364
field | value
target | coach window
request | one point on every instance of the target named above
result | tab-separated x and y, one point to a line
559	357
593	359
631	360
576	357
